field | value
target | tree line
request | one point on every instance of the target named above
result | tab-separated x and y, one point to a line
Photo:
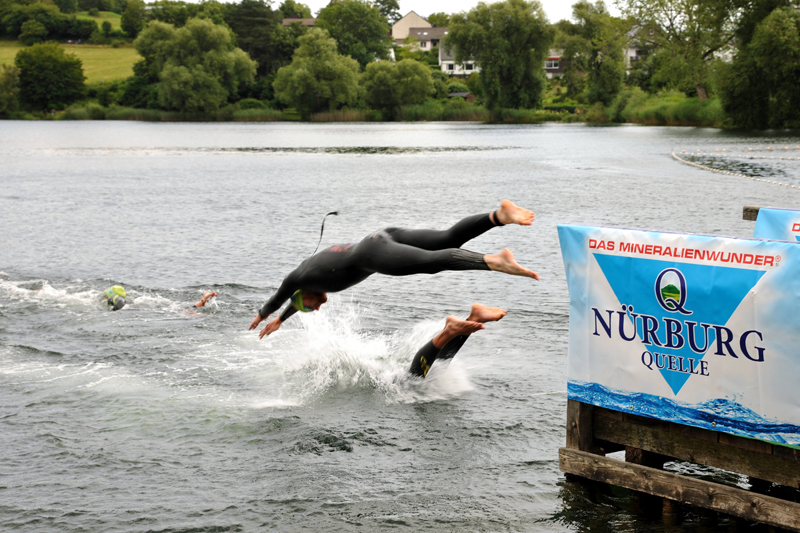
201	57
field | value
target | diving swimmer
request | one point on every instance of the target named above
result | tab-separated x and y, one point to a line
392	252
446	344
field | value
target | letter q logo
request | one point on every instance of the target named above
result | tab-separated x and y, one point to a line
670	297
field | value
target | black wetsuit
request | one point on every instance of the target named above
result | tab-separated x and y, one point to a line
390	251
429	353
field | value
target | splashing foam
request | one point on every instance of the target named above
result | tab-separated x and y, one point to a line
40	290
331	354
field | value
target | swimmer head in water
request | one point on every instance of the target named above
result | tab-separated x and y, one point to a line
115	297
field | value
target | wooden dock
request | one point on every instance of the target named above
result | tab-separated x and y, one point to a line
592	432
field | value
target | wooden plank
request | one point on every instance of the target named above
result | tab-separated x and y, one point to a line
579	425
785	452
694	433
750	212
697	492
745	444
749	462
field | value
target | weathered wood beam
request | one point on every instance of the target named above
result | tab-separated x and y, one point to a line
579	425
750	212
729	453
729	500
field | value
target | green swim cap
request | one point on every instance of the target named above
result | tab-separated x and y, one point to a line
118	290
297	302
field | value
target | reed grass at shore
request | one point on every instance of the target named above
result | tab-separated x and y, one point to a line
632	106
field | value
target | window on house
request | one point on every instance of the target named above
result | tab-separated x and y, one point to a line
468	66
551	63
450	66
423	44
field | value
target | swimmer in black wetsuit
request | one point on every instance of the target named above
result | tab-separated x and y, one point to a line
393	252
446	344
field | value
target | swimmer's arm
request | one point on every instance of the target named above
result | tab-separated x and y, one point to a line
289	311
276	323
286	289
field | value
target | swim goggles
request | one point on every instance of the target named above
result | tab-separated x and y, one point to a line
297	302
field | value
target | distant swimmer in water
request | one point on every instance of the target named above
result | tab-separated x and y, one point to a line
392	252
202	303
206	297
446	344
115	297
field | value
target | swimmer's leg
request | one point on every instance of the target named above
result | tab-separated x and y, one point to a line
447	343
403	260
453	329
479	313
464	230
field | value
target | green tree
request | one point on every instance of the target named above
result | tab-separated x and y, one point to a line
46	14
318	78
106	29
439	19
198	66
390	9
359	29
592	51
294	10
509	41
389	86
760	89
440	84
255	23
285	40
9	79
133	18
213	11
32	32
66	6
606	60
688	34
48	77
175	12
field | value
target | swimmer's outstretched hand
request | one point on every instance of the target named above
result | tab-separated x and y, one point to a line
256	321
272	327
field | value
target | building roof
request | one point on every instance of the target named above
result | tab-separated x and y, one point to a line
462	95
426	34
305	22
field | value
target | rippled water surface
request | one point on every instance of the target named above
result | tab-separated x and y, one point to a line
153	419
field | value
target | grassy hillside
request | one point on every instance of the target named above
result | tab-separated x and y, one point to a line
100	63
113	18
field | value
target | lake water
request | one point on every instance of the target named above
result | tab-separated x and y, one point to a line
152	419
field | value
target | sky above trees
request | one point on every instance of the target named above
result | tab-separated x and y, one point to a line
555	9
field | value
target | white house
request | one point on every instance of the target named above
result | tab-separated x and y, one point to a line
447	62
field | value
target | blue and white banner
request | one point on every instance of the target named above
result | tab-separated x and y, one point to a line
777	224
692	329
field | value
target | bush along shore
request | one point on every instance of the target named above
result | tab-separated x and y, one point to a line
431	111
630	106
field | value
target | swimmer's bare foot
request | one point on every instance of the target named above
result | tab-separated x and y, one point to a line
454	327
511	213
482	313
504	262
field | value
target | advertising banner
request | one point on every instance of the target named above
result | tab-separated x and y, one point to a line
697	330
777	224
